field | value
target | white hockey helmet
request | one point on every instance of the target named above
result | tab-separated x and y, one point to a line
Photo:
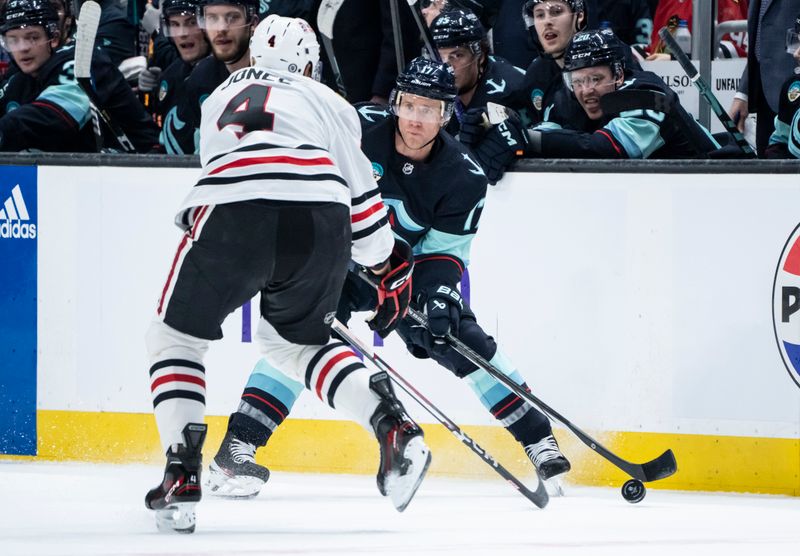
286	44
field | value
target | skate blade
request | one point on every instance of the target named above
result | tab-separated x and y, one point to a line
176	518
401	488
554	487
240	487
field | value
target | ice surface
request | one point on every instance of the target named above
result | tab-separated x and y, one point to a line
89	509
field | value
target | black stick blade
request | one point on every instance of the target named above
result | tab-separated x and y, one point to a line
660	468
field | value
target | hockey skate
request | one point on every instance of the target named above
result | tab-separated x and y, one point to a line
404	455
174	500
234	473
549	462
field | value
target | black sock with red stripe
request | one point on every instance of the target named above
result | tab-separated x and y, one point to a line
525	423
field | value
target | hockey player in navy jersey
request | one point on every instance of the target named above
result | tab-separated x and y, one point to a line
178	22
480	78
285	199
228	26
785	140
435	192
594	66
42	106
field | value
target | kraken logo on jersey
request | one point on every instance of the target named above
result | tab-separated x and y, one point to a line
368	111
537	98
377	171
162	91
408	168
476	168
794	91
496	87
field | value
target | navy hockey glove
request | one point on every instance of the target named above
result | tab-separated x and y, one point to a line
394	290
474	125
501	146
443	307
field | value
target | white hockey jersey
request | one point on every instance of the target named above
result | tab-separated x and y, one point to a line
274	135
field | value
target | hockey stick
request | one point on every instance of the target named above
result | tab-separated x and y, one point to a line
539	496
705	91
88	22
325	18
423	29
398	36
659	468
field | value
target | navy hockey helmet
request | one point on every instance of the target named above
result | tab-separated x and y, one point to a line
176	7
26	13
429	79
576	6
251	7
457	27
589	49
182	7
595	48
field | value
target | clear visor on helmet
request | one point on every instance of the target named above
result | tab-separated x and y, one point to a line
586	81
461	56
179	23
792	41
548	10
24	37
420	109
221	17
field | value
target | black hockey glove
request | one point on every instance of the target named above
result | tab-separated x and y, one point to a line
474	125
394	289
443	307
501	146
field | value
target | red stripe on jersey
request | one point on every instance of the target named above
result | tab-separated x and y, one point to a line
364	214
177	377
181	247
611	139
441	258
259	398
327	368
71	123
320	161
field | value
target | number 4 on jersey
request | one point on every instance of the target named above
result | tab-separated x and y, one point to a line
248	109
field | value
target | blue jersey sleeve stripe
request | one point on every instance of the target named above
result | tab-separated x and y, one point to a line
639	137
436	241
402	215
781	133
71	98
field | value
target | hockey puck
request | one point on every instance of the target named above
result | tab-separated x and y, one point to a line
633	491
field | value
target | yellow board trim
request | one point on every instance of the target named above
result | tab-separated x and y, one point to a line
705	463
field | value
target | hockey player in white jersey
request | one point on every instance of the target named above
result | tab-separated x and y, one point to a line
284	200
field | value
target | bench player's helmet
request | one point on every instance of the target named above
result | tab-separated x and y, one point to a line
16	14
456	27
594	48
